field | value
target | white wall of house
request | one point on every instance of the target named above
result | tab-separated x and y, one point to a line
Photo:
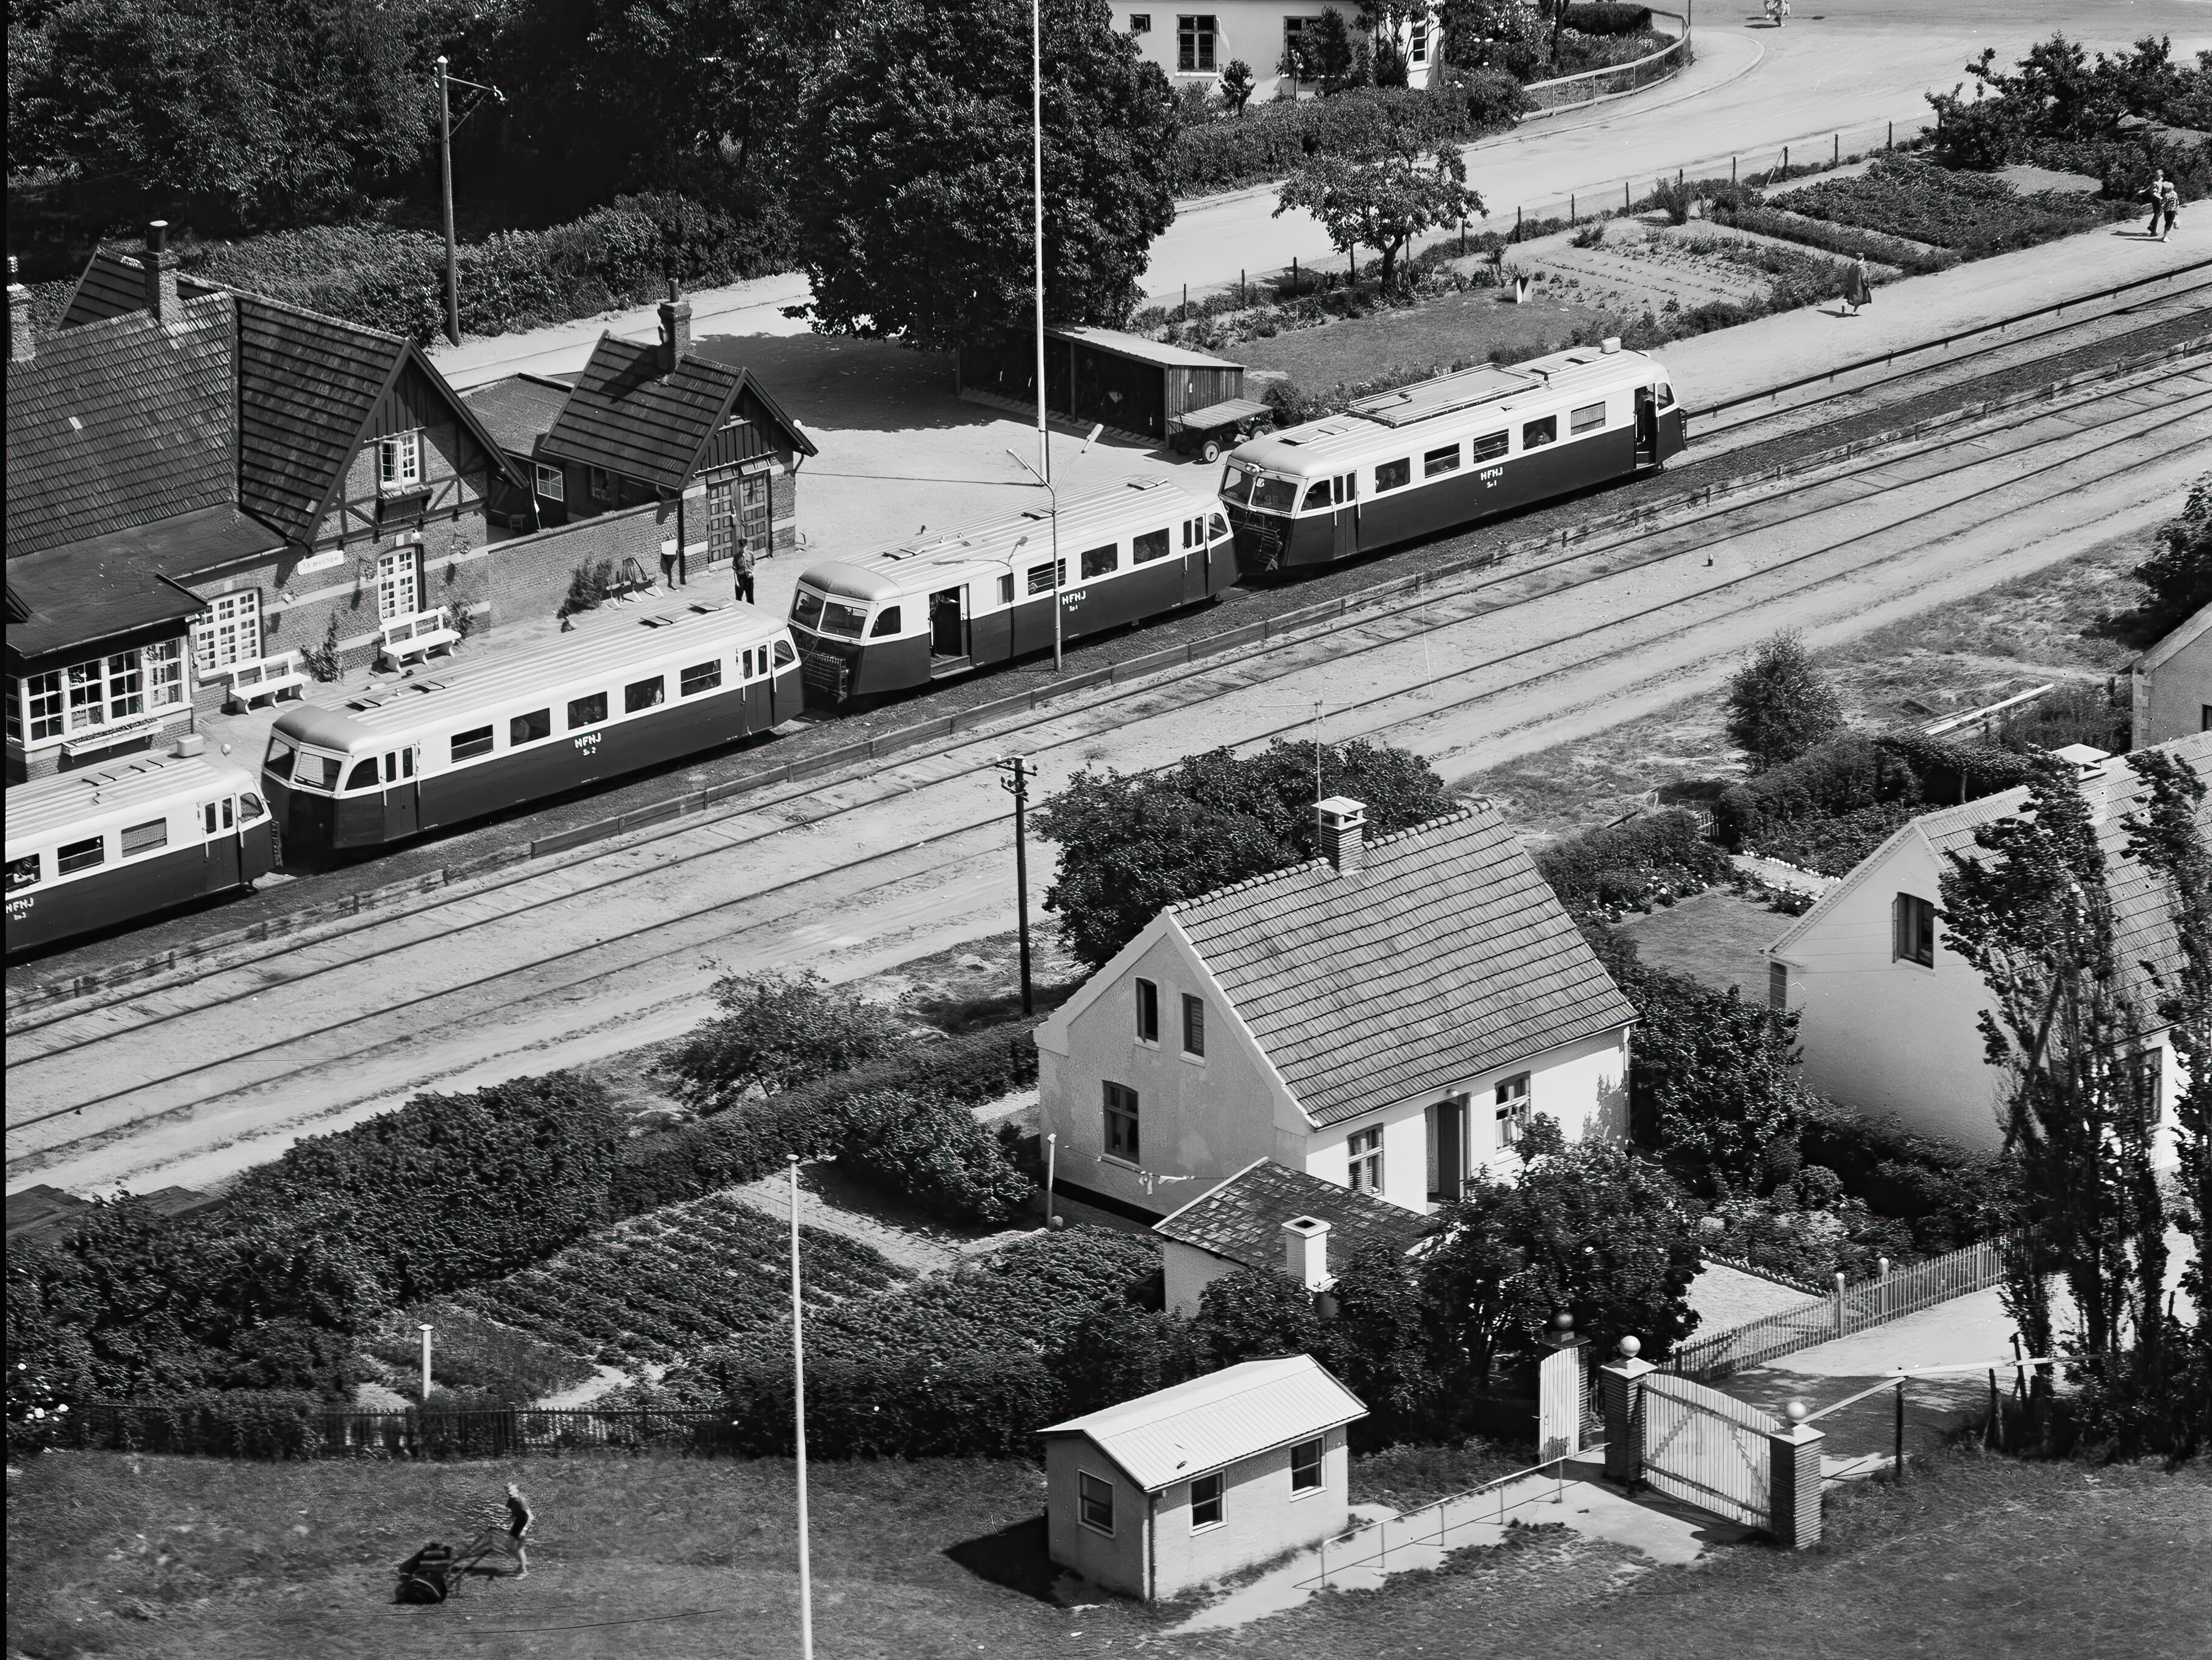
1114	1559
2174	697
1187	1271
1192	47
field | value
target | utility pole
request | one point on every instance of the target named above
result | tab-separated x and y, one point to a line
445	190
1037	226
799	1422
1016	783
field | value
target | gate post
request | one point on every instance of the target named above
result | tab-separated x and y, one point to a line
1622	1384
1793	1481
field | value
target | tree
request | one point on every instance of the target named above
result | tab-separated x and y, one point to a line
914	191
1501	35
1250	1315
1131	844
1384	204
935	1153
776	1031
1780	705
1236	86
1122	1352
1376	1341
2179	574
1322	55
1714	1078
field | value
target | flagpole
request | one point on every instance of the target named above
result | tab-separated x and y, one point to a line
799	1425
1037	226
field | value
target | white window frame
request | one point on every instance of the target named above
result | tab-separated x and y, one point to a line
399	568
1417	44
1363	1151
551	484
400	463
1514	1108
118	688
1083	1501
45	709
1203	30
228	631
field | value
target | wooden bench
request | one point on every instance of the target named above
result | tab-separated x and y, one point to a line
418	635
266	677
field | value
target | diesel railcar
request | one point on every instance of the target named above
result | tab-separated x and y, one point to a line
626	691
1443	452
89	850
929	609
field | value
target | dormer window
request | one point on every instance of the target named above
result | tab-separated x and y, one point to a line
400	463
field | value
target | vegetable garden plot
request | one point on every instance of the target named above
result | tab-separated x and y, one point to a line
1969	212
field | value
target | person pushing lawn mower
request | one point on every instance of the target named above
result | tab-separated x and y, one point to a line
437	1571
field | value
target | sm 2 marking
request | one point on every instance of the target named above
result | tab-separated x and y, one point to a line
588	743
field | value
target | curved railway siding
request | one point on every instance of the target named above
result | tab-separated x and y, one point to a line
428	994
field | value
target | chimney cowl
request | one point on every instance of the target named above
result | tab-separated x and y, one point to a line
159	268
1343	823
22	344
1305	1251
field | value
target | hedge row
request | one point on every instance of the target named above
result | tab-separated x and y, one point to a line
1657	857
1854	772
1946	1195
979	1407
1274	140
1607	17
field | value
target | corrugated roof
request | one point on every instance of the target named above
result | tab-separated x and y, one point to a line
1174	1434
1143	351
518	410
105	796
1242	1219
2191	631
112	284
109	584
118	422
625	416
1447	956
307	384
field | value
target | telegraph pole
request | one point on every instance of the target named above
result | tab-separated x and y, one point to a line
1016	783
799	1423
445	190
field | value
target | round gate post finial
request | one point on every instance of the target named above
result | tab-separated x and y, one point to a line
1631	1347
1797	1412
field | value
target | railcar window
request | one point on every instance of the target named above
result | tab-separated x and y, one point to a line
843	621
474	741
1589	418
144	838
280	757
1443	460
1536	433
806	609
530	728
23	872
250	807
644	694
363	776
1217	526
1393	475
1317	497
1153	544
587	711
887	622
228	823
1666	396
784	652
1347	486
317	772
210	810
700	677
1274	494
1488	448
1040	577
82	855
1101	561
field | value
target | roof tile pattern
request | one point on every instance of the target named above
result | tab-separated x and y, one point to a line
119	423
1447	956
112	284
518	410
306	385
1242	1219
1174	1434
629	417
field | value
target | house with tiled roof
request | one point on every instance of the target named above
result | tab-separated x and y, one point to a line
650	423
1888	1015
1388	1017
1270	1216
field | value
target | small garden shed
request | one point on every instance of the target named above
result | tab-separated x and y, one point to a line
1183	1485
1132	386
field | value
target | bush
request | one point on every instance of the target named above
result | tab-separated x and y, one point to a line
1609	17
1948	1196
1853	772
1780	705
776	1031
934	1152
1655	858
1834	846
228	1423
978	1406
1272	141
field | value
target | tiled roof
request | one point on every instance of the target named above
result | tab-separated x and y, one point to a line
131	578
307	385
626	417
1447	956
518	410
1174	1434
112	284
118	422
1242	1219
2192	630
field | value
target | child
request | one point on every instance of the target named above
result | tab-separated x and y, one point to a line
519	1518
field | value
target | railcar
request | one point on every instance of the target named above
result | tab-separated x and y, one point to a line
930	608
89	850
624	691
1446	451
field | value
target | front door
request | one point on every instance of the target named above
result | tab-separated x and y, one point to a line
948	632
224	870
402	807
1647	427
1346	496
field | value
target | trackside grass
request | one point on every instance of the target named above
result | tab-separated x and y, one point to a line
194	1558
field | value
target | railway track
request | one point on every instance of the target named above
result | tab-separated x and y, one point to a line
290	1043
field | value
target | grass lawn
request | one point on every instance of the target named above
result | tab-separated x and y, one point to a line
1717	938
181	1559
1429	337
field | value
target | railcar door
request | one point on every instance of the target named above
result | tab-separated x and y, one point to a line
402	797
1346	494
1194	560
948	624
1647	427
223	869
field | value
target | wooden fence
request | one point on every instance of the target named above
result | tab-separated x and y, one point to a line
498	1432
1884	1296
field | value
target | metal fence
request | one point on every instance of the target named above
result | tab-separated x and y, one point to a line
1570	90
1707	1448
499	1432
1887	1295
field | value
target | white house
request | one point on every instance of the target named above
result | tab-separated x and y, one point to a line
1387	1017
2172	683
1193	47
1185	1485
1887	1016
1269	1216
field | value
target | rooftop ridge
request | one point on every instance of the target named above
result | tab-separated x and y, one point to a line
1463	811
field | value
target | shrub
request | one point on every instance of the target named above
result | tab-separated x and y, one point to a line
775	1031
1946	1195
228	1423
1660	857
1272	141
1779	705
1852	772
1834	846
933	1151
1609	17
987	1406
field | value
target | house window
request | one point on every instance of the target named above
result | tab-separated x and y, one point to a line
1306	1467
1194	1026
1122	1121
228	631
1589	418
2144	1073
1094	1501
1512	1111
1913	924
1141	22
397	593
1148	1012
601	483
42	704
1366	1156
109	690
1194	44
400	463
1416	50
165	673
1294	44
1205	1501
1393	475
550	483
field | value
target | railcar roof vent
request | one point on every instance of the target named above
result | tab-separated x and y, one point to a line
660	621
1610	345
699	610
427	685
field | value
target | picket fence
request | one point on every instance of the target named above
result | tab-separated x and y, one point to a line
493	1432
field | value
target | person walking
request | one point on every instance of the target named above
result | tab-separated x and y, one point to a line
1858	291
519	1518
741	566
2154	193
2170	199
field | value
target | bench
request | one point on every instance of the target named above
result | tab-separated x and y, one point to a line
425	632
265	676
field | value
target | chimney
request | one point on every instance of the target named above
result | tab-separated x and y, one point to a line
1343	833
1305	1251
22	348
675	328
160	268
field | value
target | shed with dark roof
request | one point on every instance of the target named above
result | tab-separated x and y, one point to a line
1270	1216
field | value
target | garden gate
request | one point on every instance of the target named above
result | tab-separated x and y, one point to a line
1707	1448
1562	1395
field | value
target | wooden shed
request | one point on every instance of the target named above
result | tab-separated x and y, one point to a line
1133	386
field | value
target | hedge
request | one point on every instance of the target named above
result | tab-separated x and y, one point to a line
1274	140
1659	856
1607	17
1945	1194
1855	772
228	1423
979	1405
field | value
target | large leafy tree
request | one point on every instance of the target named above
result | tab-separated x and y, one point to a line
914	192
2179	574
1386	202
1130	844
1780	705
776	1031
